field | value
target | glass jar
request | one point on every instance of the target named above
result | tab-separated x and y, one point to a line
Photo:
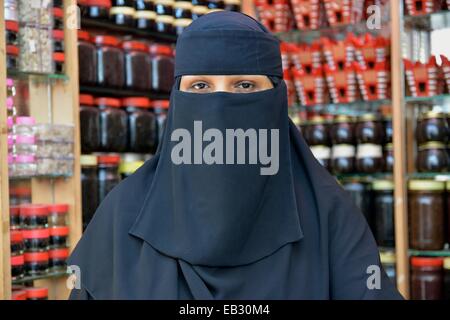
233	5
142	133
87	59
58	41
360	194
110	62
145	20
34	216
164	7
55	167
144	5
387	122
388	261
316	132
426	278
181	24
24	126
58	260
432	126
24	166
59	59
138	66
388	158
19	196
447	278
11	32
432	157
95	9
342	130
369	158
322	154
182	10
17	267
58	19
383	207
37	293
17	245
216	4
89	124
164	24
160	108
108	174
343	158
25	145
89	187
57	214
369	129
12	56
36	240
426	209
113	125
58	237
122	15
14	217
162	67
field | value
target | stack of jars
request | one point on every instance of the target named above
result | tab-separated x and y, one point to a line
38	239
58	40
432	135
368	132
430	278
22	139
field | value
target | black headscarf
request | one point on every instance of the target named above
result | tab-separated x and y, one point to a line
226	231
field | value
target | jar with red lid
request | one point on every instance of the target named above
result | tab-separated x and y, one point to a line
57	214
59	59
11	31
36	263
14	217
162	67
36	240
19	295
89	124
369	129
19	195
34	216
17	267
17	245
95	9
58	41
342	130
343	158
145	19
315	132
160	108
58	260
58	18
108	174
122	13
388	158
37	293
138	66
113	125
180	24
110	62
12	56
164	24
142	134
432	157
432	126
426	278
369	158
87	59
58	237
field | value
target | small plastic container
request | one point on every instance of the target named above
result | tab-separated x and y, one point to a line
59	59
24	166
58	19
54	167
17	245
58	260
54	132
87	59
110	62
95	9
58	237
11	32
10	143
14	217
19	196
57	214
34	216
24	126
17	267
58	41
36	263
138	68
50	149
37	293
25	145
162	67
113	125
36	240
12	56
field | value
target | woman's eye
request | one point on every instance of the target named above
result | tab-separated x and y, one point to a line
200	86
245	85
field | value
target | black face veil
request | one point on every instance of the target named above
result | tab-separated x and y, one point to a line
203	220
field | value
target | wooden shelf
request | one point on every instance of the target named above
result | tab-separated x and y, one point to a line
107	92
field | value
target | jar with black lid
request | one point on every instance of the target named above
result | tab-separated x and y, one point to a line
17	267
58	41
432	126
122	15
164	7
162	67
59	59
426	278
58	237
17	245
387	122
36	240
113	125
388	158
426	214
343	158
11	30
36	263
432	157
216	4
361	196
233	5
342	130
181	24
369	129
34	216
145	5
87	59
89	124
164	24
383	208
58	259
160	108
315	132
138	67
95	9
198	11
145	20
322	154
369	158
142	134
108	174
89	187
182	10
12	56
110	62
58	18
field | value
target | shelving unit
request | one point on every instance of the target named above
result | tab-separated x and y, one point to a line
123	93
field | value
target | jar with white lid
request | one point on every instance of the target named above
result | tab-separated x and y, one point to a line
322	154
369	158
343	158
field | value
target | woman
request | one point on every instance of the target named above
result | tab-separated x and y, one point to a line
209	218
